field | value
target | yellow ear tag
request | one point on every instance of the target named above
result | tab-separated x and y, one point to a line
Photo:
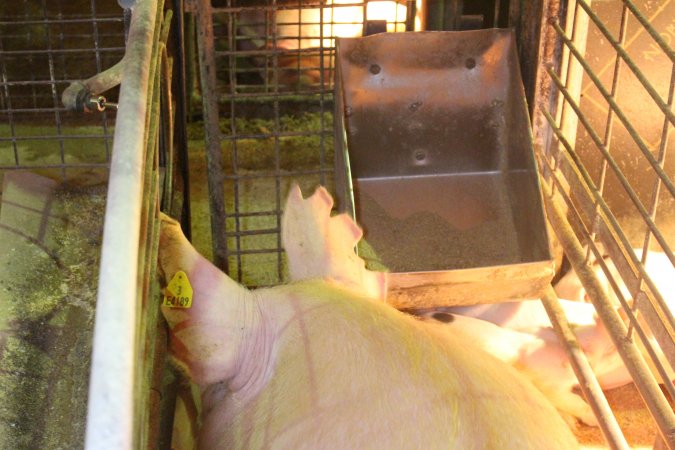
178	292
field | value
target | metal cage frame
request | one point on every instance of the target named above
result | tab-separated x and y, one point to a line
583	221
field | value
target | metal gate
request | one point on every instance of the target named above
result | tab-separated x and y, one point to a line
266	64
602	113
266	80
62	173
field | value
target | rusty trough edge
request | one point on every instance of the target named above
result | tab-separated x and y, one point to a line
111	405
647	386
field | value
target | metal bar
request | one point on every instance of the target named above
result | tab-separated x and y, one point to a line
271	51
622	179
277	146
110	420
587	382
58	166
276	134
23	53
272	175
609	125
619	113
279	7
181	138
616	229
585	232
214	157
59	21
232	66
55	100
665	133
647	386
99	68
264	96
652	32
655	193
629	62
63	137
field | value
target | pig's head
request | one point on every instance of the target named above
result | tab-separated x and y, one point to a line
206	339
319	245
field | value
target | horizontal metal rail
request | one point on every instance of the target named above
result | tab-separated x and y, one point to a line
55	51
60	21
279	51
279	7
296	95
50	137
272	135
56	166
270	175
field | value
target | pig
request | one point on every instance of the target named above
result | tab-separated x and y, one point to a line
314	364
658	267
319	245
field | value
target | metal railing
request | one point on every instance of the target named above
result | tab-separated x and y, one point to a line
593	205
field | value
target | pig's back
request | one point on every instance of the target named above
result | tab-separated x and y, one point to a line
352	373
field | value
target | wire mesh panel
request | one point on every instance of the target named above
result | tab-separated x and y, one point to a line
43	47
604	142
268	112
53	173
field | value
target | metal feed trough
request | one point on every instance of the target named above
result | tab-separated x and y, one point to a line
433	135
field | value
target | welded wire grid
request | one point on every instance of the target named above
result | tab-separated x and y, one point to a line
275	64
44	46
605	158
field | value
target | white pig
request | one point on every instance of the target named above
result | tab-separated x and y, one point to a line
518	333
315	365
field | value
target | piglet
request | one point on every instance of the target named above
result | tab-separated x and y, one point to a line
315	365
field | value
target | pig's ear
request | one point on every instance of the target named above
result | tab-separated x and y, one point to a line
321	201
343	228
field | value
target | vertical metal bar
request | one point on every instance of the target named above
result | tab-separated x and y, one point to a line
232	67
52	85
110	421
568	119
8	99
181	140
665	133
99	69
322	96
587	382
214	159
609	124
277	129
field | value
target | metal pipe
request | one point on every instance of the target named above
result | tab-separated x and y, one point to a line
588	383
214	157
111	387
647	386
